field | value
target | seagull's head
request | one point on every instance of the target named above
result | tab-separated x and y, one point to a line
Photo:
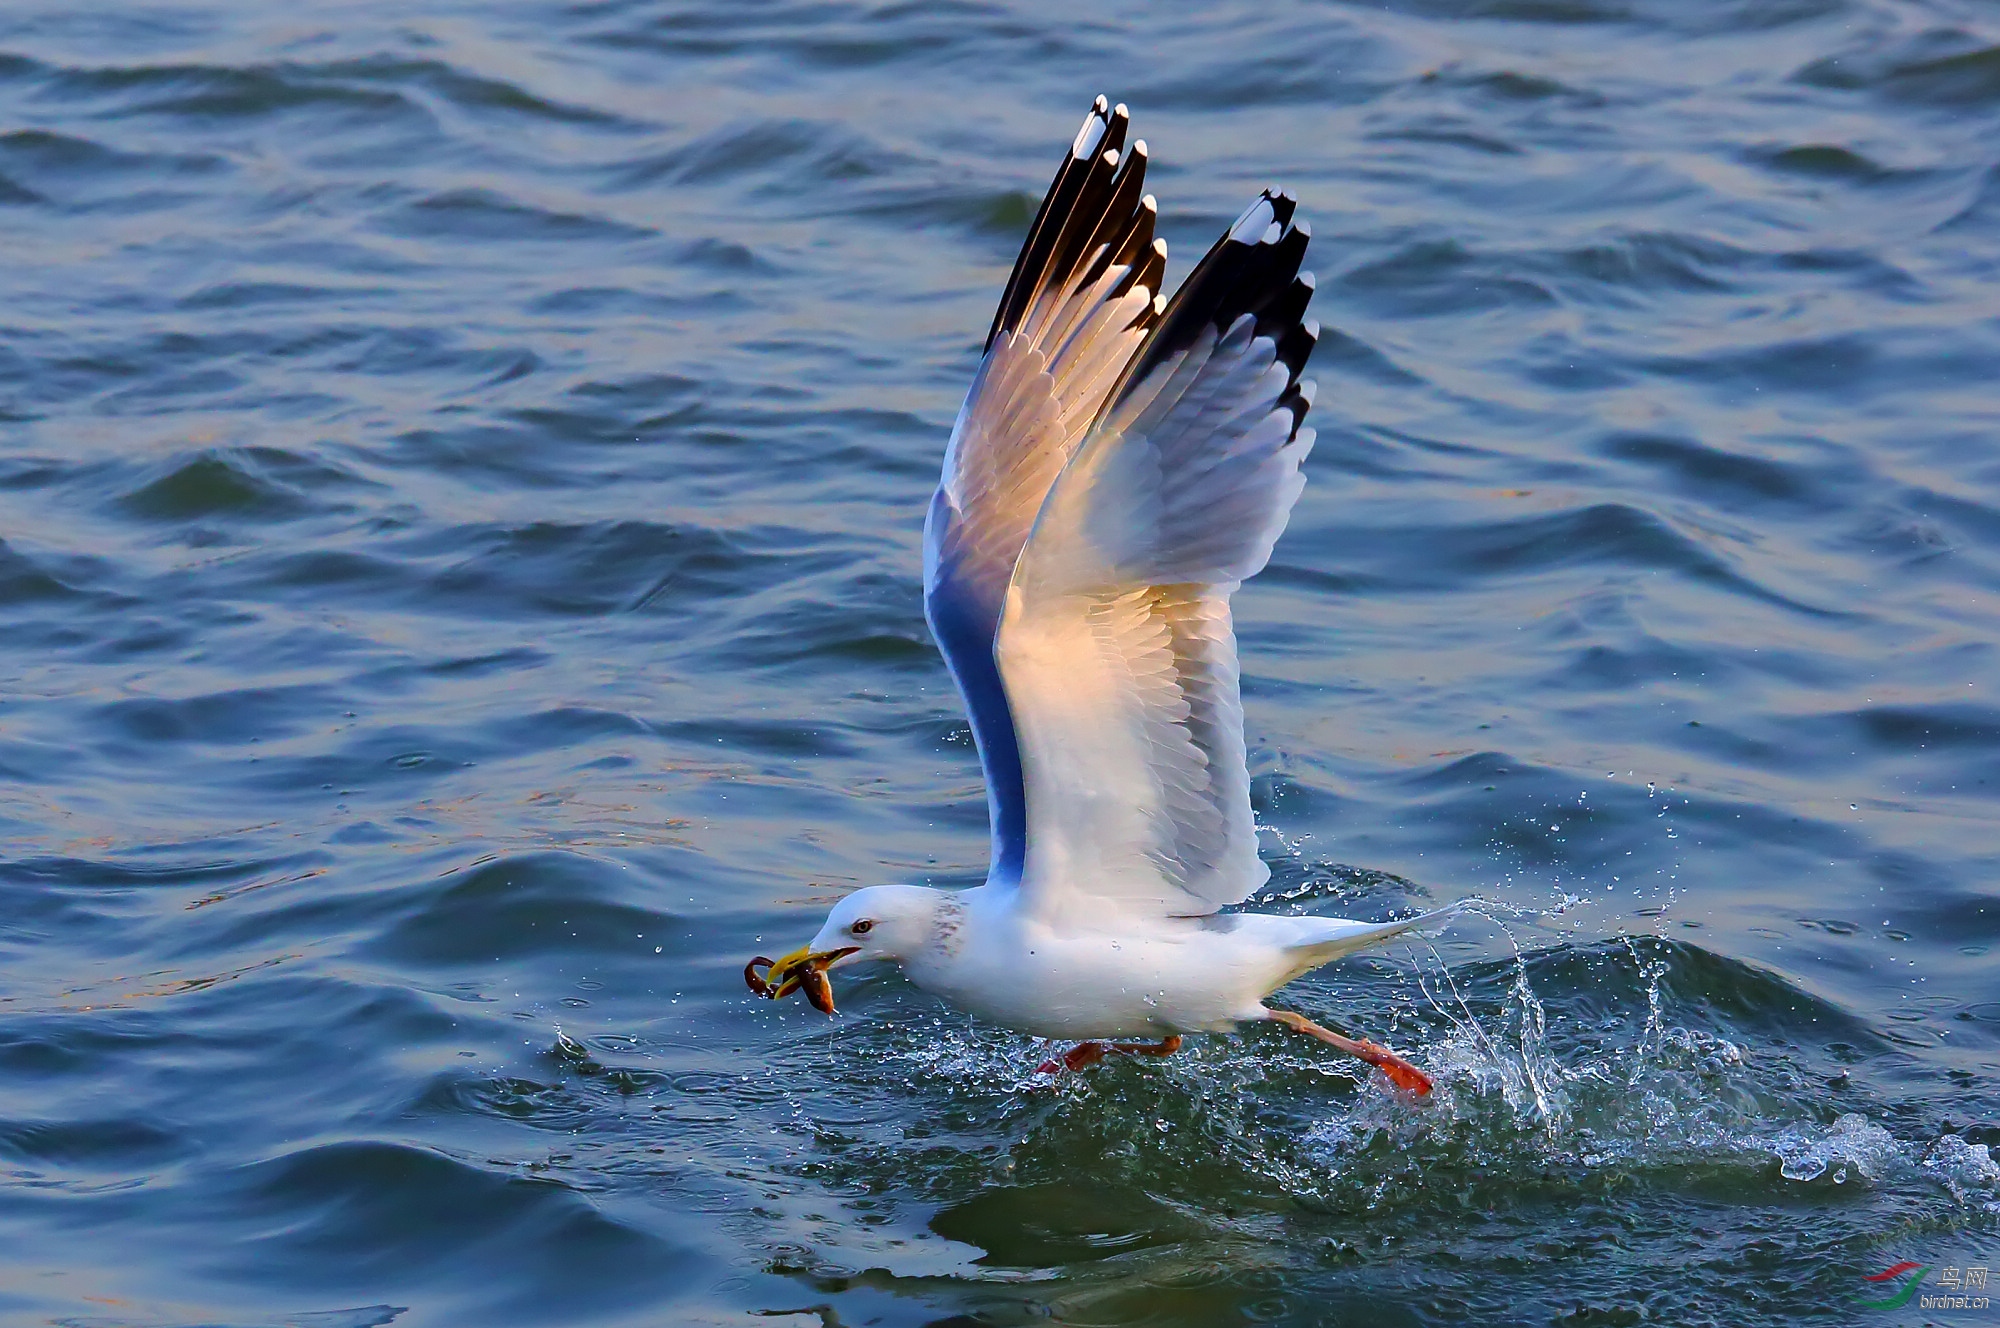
879	922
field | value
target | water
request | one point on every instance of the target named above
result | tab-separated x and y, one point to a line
460	475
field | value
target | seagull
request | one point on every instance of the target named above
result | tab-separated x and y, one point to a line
1121	464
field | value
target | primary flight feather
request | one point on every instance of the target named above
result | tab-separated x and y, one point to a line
1121	464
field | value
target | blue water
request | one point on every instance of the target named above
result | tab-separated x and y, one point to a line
461	468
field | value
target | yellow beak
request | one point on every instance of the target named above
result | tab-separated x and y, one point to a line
787	973
803	967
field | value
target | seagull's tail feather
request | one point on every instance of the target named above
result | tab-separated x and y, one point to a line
1323	940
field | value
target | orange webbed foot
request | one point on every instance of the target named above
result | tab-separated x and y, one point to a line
1400	1072
1086	1054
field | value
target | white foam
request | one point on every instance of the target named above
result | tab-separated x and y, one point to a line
1853	1147
1967	1170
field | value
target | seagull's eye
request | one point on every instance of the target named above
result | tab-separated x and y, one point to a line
862	928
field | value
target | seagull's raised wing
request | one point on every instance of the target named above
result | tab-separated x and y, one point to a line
1116	647
1082	297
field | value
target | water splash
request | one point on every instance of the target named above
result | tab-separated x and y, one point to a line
1853	1146
1966	1169
1525	1091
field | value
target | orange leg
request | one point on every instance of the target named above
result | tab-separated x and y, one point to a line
1401	1073
1089	1053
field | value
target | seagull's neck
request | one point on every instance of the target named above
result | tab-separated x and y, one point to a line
955	914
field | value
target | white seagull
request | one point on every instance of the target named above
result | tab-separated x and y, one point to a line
1121	464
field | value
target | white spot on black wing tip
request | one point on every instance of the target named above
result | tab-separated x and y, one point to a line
1253	222
1119	122
1151	270
1143	257
1091	134
1137	224
1088	188
1241	275
1295	345
1292	248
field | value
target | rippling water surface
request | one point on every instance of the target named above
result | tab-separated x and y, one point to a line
460	477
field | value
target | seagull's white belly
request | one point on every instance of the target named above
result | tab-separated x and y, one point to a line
1186	978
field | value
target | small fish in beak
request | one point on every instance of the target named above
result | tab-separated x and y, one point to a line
801	970
819	991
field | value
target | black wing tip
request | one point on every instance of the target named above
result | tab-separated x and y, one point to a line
1094	198
1298	399
1295	345
1253	269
